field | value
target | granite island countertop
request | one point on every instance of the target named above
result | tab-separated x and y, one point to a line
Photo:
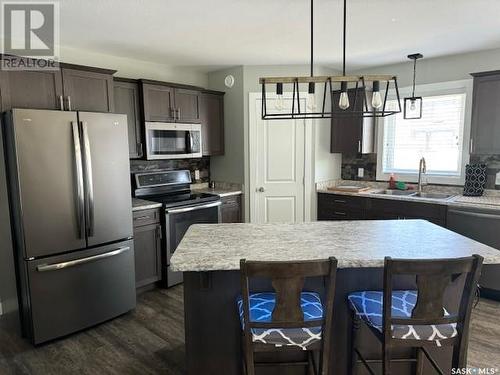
210	247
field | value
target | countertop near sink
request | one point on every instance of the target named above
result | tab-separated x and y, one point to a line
142	204
491	199
221	189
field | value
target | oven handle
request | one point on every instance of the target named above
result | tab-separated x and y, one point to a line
193	208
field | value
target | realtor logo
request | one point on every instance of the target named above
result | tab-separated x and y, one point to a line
30	29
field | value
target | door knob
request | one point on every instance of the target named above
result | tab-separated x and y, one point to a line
261	189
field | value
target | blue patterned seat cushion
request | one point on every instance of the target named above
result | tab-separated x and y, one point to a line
261	309
368	307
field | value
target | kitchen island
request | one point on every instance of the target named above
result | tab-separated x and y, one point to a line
209	256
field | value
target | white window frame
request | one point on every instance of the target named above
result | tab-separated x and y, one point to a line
433	89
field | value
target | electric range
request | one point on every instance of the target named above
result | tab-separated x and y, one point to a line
182	208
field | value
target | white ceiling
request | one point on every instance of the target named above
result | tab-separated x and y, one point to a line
216	33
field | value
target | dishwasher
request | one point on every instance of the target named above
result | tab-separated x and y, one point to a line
482	225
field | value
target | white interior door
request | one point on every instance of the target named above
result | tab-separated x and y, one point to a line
277	155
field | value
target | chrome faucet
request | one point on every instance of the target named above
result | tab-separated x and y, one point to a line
422	169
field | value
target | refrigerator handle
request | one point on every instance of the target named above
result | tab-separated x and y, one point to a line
79	180
88	178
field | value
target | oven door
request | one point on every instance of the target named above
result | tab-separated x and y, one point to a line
172	140
177	222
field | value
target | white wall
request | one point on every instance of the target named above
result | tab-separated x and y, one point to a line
230	167
136	68
441	69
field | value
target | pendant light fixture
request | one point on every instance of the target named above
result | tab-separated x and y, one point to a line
349	95
413	104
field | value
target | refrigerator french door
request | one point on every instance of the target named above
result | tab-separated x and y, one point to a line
70	205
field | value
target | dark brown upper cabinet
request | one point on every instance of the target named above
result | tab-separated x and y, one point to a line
187	105
88	90
212	122
158	102
126	97
352	135
165	103
485	125
72	87
31	89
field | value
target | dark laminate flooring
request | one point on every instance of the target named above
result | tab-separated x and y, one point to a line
150	341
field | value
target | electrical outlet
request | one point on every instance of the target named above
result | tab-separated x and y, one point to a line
196	174
361	172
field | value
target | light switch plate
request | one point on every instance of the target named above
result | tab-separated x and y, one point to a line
196	174
361	172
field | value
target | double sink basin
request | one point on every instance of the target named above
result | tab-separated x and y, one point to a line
413	194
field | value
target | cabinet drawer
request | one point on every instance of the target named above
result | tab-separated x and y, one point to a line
231	209
146	217
340	207
232	199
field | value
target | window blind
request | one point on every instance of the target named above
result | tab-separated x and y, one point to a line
437	136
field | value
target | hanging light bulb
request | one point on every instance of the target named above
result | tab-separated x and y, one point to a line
376	97
344	98
279	103
311	97
412	105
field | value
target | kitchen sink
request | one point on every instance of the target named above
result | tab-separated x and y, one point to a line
394	192
413	194
432	195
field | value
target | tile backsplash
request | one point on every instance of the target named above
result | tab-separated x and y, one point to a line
202	164
350	165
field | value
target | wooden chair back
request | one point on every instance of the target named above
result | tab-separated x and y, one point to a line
432	279
287	280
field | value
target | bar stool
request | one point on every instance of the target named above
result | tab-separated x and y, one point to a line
288	318
416	318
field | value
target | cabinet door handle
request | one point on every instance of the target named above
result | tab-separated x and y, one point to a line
172	113
339	201
61	103
471	146
178	113
339	213
69	103
359	146
139	148
142	217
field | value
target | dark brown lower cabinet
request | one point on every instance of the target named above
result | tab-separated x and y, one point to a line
147	245
346	207
231	209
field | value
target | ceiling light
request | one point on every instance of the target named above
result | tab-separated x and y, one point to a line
348	95
413	104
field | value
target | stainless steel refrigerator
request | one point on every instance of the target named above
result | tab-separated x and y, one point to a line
69	194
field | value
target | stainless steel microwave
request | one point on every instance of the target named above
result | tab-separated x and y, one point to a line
172	140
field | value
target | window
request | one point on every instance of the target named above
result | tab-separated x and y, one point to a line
437	136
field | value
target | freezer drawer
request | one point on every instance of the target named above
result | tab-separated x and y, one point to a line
72	292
